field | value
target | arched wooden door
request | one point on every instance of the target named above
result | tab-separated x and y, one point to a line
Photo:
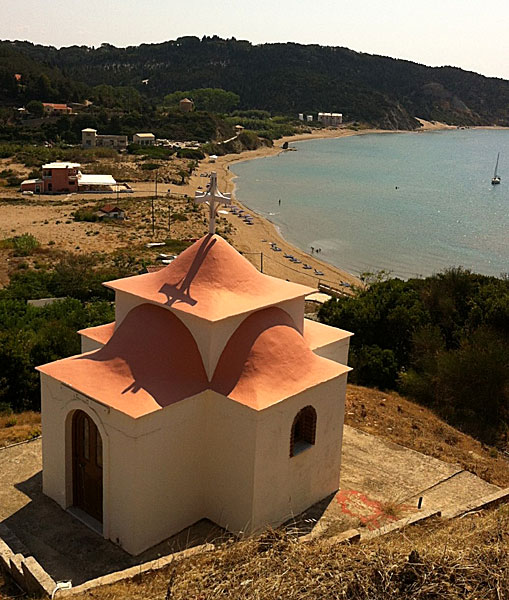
87	463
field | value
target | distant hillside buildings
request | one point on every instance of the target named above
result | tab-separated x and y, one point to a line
91	139
186	105
325	118
50	108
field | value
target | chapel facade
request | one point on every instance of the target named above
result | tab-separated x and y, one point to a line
210	396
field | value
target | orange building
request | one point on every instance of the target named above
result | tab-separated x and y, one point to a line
64	178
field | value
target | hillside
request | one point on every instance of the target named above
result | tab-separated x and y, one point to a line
283	78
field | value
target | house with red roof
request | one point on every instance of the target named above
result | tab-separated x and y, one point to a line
209	396
52	108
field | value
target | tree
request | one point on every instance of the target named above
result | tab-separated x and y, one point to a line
35	108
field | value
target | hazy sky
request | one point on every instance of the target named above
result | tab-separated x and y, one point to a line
469	34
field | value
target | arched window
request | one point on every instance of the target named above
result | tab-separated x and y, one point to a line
303	430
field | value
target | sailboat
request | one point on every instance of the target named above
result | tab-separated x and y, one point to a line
496	178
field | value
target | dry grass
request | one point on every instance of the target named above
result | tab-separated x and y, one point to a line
462	559
392	417
19	427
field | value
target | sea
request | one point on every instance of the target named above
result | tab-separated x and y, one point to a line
412	204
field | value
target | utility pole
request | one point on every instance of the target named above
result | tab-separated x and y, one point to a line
261	262
169	218
155	196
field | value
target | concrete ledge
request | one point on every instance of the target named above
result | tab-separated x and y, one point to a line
481	503
401	524
37	581
12	540
351	535
16	569
152	565
5	556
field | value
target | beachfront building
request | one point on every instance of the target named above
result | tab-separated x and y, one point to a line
52	109
90	139
144	139
186	105
210	396
330	119
66	177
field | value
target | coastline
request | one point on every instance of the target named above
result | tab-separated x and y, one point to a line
254	241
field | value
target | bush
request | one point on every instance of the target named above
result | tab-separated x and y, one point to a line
85	214
443	340
149	166
14	181
24	245
193	153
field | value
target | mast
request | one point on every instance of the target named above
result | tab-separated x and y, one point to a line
496	166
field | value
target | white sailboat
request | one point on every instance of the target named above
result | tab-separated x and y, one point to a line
496	177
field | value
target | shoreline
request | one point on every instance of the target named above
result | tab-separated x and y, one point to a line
253	241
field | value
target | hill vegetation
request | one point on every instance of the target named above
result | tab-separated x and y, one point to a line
442	340
282	78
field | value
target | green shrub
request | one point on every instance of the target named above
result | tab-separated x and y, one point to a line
85	214
14	181
193	153
24	245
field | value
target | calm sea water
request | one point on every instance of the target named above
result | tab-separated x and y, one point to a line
340	195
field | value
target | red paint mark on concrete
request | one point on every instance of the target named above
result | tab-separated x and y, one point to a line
369	512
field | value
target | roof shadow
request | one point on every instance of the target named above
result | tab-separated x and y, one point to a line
181	292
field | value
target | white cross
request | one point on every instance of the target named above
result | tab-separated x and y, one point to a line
213	197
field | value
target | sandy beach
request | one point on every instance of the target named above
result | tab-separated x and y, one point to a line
51	222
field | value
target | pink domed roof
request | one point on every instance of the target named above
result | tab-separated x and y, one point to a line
267	360
151	361
211	280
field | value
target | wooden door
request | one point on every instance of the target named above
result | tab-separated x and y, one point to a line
87	466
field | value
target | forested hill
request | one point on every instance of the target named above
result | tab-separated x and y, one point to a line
283	78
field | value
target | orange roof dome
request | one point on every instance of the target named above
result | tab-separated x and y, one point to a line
210	280
151	361
267	360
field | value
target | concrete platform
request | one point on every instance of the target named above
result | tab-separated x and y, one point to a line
380	482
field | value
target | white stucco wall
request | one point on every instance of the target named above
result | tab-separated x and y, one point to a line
87	344
285	486
336	351
206	456
227	467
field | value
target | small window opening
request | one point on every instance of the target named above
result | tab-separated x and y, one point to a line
303	430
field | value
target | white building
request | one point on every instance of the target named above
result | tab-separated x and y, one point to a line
210	396
330	119
90	139
144	139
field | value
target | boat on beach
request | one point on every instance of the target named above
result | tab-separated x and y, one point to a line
496	177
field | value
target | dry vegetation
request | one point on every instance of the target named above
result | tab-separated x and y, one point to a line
464	559
16	428
392	417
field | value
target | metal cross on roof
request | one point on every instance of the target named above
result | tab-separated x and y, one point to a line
213	197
